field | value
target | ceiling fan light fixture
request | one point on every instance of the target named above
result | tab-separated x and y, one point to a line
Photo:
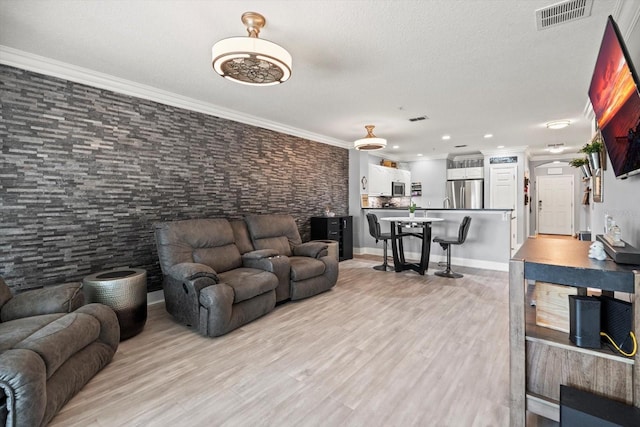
251	60
558	124
370	142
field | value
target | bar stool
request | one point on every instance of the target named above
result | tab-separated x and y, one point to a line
374	230
446	243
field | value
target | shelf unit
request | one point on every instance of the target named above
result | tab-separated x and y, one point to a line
541	358
416	189
338	228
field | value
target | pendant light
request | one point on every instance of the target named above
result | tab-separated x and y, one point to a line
251	60
370	142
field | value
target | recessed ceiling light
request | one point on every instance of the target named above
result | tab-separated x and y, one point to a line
488	135
446	137
396	147
558	124
419	154
556	161
500	146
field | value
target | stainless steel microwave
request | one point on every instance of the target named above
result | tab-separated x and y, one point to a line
397	189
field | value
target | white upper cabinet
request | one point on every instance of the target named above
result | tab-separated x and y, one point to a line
379	181
466	173
381	177
476	172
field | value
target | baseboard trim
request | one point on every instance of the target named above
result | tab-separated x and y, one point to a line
155	297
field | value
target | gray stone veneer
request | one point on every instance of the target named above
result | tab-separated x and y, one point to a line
85	172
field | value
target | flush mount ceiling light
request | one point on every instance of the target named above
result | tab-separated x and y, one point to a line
370	142
555	148
558	124
250	60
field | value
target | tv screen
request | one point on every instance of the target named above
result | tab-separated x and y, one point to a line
616	102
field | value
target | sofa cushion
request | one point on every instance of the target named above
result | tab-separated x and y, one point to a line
248	282
278	232
280	244
241	236
178	241
221	258
305	268
60	339
14	331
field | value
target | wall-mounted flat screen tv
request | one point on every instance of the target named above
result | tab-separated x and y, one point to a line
616	102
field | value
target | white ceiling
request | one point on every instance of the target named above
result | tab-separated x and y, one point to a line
472	67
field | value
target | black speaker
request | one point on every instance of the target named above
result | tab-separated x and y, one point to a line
584	321
579	408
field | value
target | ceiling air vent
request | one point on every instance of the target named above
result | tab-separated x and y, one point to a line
559	13
417	119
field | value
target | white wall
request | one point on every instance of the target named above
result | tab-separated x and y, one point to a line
621	199
433	176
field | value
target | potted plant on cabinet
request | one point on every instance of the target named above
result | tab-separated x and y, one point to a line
412	209
593	150
583	165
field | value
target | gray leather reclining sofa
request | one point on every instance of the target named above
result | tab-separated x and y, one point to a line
219	275
51	345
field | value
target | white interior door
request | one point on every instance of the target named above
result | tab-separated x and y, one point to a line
503	187
504	195
555	204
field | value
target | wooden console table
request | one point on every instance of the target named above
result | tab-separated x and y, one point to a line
540	358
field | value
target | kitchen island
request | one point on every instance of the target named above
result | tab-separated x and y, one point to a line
488	243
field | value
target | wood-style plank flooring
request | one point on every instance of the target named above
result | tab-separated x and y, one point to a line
380	349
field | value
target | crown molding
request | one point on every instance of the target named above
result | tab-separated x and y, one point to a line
39	64
506	151
553	157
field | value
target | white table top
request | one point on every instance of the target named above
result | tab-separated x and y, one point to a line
407	219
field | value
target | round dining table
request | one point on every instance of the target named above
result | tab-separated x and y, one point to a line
397	233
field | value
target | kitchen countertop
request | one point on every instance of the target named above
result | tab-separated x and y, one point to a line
406	208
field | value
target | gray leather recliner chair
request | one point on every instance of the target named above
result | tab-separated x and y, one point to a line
50	347
208	283
312	270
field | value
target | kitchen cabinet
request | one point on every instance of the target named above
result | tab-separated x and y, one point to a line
379	181
404	176
338	228
381	177
466	173
542	359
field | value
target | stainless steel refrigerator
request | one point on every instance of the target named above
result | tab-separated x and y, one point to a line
466	193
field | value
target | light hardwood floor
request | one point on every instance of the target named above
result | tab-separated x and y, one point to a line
380	349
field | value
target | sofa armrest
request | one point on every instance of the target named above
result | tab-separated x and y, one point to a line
215	309
23	385
63	298
311	249
260	254
189	271
109	325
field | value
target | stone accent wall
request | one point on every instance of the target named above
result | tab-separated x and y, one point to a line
85	172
